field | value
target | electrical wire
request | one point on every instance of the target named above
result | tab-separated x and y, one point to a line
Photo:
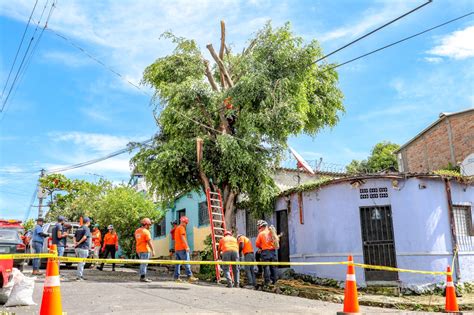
23	60
398	42
374	31
18	50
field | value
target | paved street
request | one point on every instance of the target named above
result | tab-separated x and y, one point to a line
120	293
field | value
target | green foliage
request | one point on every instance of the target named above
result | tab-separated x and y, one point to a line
308	186
123	207
207	272
449	173
278	91
381	158
104	203
29	224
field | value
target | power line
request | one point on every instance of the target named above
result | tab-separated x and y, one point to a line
399	41
374	31
97	160
84	51
24	57
18	50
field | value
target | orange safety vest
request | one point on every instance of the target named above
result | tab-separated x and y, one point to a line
228	243
96	237
265	240
247	248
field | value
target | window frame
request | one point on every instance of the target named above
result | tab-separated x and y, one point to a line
203	210
162	225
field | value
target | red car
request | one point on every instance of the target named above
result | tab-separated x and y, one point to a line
6	266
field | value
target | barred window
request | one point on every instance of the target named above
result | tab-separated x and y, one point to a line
203	213
160	228
464	229
250	225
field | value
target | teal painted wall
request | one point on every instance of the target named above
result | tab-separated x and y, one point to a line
190	202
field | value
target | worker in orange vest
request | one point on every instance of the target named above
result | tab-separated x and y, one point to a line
266	245
246	251
96	240
175	225
229	251
182	250
110	245
144	246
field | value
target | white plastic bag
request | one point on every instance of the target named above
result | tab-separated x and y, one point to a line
6	291
22	293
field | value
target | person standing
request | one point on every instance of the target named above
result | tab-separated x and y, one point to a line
144	246
59	236
266	244
229	251
246	251
182	250
174	224
110	245
37	244
82	240
96	240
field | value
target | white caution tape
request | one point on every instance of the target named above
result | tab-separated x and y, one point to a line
52	281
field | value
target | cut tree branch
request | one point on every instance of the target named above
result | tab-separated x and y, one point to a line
221	65
209	76
221	51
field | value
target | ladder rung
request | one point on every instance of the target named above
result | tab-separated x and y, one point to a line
213	199
217	221
217	213
218	236
213	193
218	228
216	207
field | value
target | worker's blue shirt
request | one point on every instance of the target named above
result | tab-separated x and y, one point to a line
37	234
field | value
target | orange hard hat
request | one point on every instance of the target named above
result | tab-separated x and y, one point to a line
146	221
184	219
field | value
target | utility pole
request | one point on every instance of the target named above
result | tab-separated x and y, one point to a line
40	196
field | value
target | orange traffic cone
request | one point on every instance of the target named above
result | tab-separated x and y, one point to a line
351	302
51	302
451	302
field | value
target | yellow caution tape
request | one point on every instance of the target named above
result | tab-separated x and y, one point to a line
196	262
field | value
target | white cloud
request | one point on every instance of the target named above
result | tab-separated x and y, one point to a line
101	143
371	18
65	58
457	45
94	114
391	111
433	59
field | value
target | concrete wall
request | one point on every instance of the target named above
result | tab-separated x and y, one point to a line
331	229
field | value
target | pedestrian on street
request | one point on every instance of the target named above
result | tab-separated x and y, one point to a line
266	244
182	250
59	236
82	240
246	251
37	243
96	240
110	245
229	251
144	246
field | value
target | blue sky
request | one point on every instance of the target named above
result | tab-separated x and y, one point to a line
67	109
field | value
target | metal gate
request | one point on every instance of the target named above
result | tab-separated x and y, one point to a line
378	242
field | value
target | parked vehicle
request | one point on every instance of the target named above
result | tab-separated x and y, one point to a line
69	250
11	243
6	266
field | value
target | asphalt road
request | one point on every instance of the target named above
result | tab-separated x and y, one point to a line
119	292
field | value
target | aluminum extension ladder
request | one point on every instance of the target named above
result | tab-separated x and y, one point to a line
217	223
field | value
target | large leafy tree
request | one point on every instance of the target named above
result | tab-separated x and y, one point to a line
226	125
380	159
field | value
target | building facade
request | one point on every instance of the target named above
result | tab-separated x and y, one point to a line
447	141
381	220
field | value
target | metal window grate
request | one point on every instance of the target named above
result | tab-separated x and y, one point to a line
203	215
250	225
463	225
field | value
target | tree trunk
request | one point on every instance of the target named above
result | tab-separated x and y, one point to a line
229	212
